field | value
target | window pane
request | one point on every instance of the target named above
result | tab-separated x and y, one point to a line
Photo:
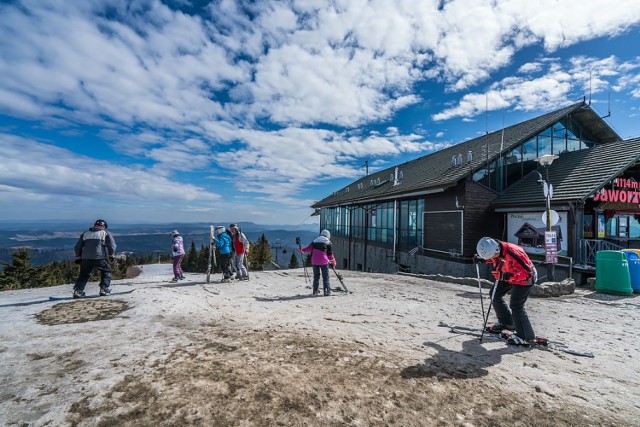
544	145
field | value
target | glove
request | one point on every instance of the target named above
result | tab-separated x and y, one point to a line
507	276
478	260
333	263
300	250
78	261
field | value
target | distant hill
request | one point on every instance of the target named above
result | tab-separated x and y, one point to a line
55	241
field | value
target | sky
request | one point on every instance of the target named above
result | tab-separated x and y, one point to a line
218	111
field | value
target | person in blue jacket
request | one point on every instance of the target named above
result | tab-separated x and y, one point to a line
223	241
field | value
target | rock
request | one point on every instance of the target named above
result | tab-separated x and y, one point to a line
541	290
553	289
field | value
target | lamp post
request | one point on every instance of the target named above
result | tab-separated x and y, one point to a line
550	239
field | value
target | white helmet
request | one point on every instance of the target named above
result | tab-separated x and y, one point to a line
174	233
488	248
325	233
218	230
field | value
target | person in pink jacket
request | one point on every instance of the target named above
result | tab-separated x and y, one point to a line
321	258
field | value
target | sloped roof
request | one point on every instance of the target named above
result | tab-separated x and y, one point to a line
435	170
575	176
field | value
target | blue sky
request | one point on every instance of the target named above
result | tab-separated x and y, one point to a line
158	111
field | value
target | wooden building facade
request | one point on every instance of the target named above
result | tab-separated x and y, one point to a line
426	215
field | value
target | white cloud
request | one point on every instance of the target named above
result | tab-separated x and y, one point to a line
560	85
38	171
177	93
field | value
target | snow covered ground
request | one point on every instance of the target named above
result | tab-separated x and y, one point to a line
266	352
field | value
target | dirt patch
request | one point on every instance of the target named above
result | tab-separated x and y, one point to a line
80	311
133	271
263	378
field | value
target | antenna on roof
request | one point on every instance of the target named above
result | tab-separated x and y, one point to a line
608	107
366	166
502	138
589	88
486	113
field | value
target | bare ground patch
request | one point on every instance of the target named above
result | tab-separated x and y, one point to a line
261	378
83	310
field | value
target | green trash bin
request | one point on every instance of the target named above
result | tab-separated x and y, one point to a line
612	273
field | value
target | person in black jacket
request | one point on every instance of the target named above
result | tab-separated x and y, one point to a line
91	249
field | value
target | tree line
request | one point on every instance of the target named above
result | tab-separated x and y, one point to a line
21	274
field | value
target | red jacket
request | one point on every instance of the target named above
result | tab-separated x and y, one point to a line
514	261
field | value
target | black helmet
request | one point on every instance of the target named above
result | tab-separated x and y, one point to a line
101	223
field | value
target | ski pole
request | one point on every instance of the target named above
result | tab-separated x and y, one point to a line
486	319
480	289
306	275
210	253
245	259
494	288
339	276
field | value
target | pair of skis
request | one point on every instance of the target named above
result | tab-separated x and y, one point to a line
550	345
211	257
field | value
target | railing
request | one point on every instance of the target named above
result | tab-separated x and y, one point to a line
587	249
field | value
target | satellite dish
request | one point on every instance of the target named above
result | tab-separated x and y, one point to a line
554	217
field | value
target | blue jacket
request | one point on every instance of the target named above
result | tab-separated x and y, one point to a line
223	242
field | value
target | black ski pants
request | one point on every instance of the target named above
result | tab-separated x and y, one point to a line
225	264
86	268
517	316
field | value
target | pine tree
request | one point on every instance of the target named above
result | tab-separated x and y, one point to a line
20	273
203	259
293	262
260	253
191	259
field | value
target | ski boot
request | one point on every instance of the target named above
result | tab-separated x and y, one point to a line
516	340
498	327
105	292
78	294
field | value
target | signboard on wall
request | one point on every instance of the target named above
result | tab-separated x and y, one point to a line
550	247
527	230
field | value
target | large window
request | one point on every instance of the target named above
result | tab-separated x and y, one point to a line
376	221
515	164
410	223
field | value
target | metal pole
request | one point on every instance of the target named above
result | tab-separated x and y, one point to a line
551	276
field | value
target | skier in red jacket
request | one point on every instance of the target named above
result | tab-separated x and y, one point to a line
514	272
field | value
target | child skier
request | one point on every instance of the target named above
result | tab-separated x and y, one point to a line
321	257
177	251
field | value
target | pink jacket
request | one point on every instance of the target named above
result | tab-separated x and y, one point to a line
321	252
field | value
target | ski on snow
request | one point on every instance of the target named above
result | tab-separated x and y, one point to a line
112	294
551	345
